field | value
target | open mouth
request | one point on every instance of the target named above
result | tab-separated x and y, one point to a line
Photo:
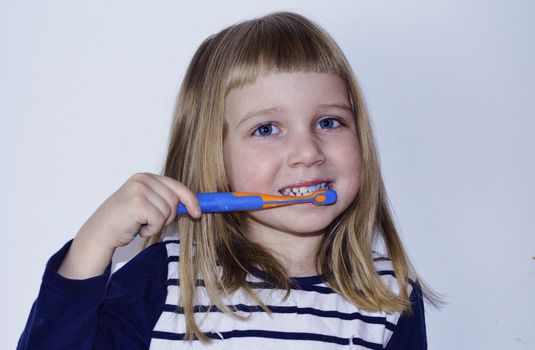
305	190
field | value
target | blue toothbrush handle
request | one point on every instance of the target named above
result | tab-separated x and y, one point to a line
218	202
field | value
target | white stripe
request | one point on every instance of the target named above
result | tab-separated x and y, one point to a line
293	323
251	343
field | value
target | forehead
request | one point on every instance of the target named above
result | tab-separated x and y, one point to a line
286	91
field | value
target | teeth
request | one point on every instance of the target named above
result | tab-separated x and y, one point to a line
303	191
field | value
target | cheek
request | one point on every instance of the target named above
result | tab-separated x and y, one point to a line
349	166
250	170
347	155
354	162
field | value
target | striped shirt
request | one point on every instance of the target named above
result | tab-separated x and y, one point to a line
137	309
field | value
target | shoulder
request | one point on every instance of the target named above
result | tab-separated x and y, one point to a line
135	298
385	269
145	272
410	330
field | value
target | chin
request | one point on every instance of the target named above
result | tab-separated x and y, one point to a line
305	230
307	222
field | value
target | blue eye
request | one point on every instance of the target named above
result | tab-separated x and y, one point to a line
266	130
329	123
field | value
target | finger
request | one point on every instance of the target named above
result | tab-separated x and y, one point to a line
166	194
142	191
161	204
151	219
185	195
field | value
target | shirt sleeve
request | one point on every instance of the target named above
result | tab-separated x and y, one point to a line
410	332
99	312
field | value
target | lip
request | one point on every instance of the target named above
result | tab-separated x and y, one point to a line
307	183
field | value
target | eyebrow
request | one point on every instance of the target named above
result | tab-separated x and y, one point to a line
274	110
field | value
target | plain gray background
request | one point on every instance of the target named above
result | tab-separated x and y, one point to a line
86	95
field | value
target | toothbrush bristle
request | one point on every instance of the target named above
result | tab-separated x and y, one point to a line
324	197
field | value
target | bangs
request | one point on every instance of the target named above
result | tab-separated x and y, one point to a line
283	43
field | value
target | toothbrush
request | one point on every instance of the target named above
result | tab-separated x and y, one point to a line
219	202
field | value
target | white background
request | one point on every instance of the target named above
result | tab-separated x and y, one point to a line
86	96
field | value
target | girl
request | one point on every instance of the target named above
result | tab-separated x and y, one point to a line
269	105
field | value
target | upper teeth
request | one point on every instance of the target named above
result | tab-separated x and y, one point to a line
303	191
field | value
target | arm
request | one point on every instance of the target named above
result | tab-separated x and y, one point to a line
63	315
94	313
410	331
73	306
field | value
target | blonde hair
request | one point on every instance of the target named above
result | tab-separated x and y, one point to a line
215	247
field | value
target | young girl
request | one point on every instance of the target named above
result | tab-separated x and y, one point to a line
270	106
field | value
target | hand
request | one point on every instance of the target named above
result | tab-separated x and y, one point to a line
144	204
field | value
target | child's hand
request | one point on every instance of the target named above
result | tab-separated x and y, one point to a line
144	204
145	201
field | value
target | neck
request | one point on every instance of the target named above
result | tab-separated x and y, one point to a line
295	251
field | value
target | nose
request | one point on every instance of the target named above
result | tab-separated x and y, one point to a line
305	150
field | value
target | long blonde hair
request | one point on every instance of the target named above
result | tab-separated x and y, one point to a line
215	247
